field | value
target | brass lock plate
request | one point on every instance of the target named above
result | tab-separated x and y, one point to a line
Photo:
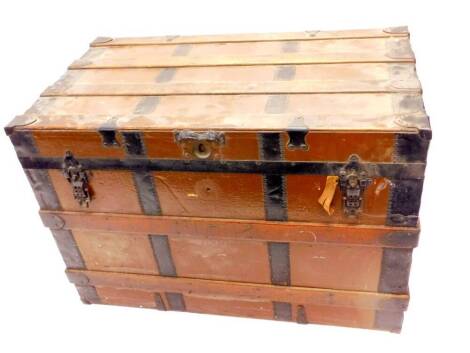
200	145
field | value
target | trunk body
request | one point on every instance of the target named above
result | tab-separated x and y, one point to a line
191	173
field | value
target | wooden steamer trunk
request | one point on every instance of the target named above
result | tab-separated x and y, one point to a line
272	176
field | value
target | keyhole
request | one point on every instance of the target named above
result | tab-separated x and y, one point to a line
202	150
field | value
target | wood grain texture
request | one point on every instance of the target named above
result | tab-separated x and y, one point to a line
392	112
253	37
123	252
259	309
322	146
221	259
208	228
126	297
304	191
339	267
105	198
210	194
299	264
371	50
265	79
241	291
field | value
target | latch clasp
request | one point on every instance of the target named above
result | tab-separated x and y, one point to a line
78	177
353	181
200	144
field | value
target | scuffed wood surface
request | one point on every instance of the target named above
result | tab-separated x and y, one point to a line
365	112
253	37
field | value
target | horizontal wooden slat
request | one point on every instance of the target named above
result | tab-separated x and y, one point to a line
339	112
328	78
245	53
378	236
253	37
241	291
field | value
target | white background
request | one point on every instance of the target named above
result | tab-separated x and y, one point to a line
40	310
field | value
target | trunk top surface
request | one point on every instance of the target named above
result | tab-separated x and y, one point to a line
359	80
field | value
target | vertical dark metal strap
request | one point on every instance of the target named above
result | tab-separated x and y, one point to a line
270	146
23	142
159	304
143	178
68	248
290	47
182	50
147	193
271	149
43	189
107	130
162	252
388	320
165	75
133	143
404	202
410	148
25	146
284	73
88	294
147	105
301	316
395	270
175	301
275	205
279	262
276	104
282	311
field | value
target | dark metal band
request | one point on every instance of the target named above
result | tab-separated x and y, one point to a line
165	75
133	143
162	252
395	171
275	204
279	262
159	304
388	320
68	249
270	146
175	301
147	105
88	294
146	191
301	316
143	178
23	142
43	189
395	271
404	202
411	148
284	73
282	311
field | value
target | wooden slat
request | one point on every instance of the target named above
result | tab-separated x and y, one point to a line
241	291
377	236
245	53
321	78
339	112
253	37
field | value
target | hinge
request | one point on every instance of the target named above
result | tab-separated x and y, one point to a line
78	178
353	181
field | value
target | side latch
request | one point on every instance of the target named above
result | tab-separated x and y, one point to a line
353	181
78	177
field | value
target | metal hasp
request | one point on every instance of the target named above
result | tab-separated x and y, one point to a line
78	177
353	180
200	144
